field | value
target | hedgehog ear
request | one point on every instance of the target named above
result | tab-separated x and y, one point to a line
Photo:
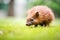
37	14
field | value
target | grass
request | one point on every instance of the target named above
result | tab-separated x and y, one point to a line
13	29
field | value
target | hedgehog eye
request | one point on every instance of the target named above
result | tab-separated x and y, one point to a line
31	19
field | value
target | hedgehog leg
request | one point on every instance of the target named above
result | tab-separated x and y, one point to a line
48	25
41	24
36	25
44	23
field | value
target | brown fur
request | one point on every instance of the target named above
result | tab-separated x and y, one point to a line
45	15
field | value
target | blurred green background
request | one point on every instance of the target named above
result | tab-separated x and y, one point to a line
53	4
13	19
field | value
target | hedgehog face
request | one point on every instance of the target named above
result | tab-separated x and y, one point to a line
32	19
29	21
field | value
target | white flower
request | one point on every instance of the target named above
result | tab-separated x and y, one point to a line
1	32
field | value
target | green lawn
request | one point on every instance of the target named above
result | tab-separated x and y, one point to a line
14	29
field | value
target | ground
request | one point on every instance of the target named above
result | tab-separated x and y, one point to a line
14	29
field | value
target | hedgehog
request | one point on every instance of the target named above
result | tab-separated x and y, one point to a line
39	15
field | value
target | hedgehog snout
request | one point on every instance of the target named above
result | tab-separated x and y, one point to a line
28	23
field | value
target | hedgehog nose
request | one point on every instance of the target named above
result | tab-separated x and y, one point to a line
28	24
